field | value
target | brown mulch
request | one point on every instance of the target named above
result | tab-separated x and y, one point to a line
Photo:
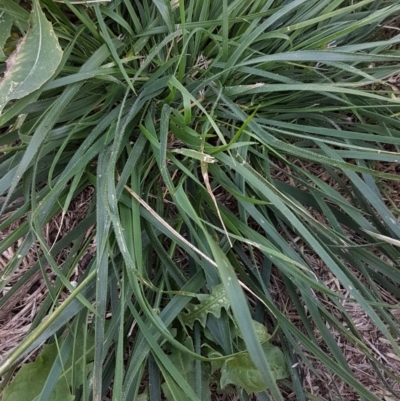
324	385
18	314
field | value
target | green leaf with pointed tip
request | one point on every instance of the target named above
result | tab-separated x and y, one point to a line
241	371
209	303
34	61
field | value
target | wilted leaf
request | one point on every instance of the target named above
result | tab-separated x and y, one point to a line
241	371
211	303
34	61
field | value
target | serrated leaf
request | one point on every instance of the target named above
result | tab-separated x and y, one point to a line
185	364
241	371
32	376
210	303
34	61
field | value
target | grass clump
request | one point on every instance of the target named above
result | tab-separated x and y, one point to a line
242	156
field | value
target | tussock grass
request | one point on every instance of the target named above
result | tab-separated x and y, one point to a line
233	144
